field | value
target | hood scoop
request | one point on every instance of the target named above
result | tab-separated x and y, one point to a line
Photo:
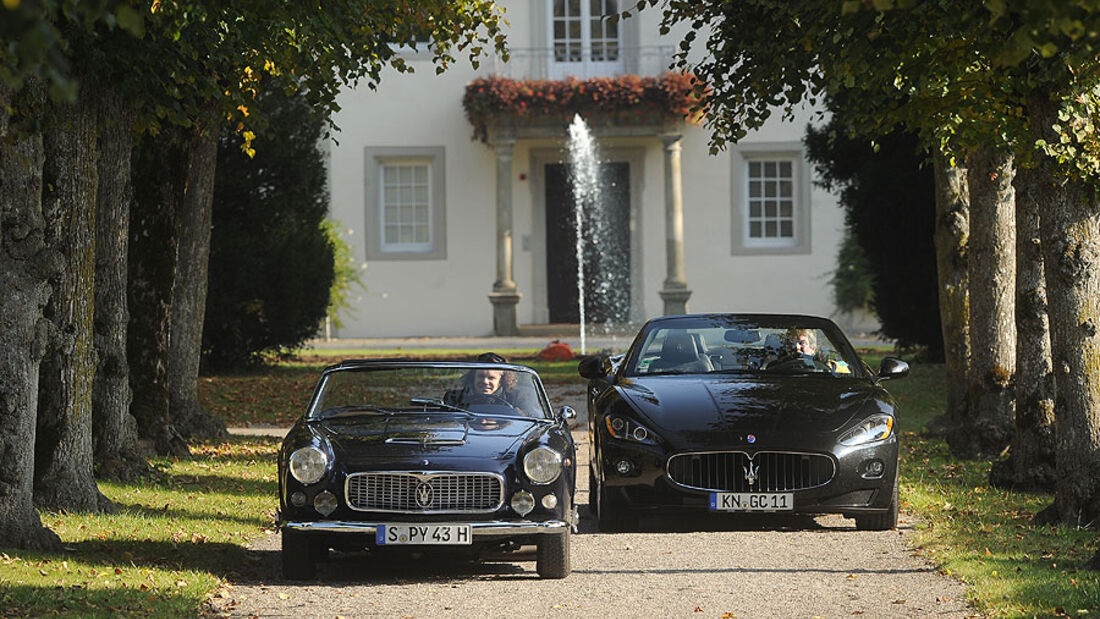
426	430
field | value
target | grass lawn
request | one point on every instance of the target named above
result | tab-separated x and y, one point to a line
184	532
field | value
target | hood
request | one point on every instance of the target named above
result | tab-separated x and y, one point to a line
694	407
362	438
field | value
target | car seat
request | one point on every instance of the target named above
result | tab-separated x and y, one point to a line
680	353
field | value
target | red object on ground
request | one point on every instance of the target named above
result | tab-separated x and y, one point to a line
556	351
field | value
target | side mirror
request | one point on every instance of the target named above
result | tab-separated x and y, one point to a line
568	416
892	367
596	366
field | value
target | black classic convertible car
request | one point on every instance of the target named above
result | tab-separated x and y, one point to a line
446	457
742	413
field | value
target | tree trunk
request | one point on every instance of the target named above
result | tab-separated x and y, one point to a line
154	237
114	431
951	238
63	476
1031	462
990	418
1071	249
24	269
189	295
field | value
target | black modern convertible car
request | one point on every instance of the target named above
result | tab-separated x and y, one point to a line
444	457
742	413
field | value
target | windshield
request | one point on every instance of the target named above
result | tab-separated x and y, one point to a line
735	345
479	389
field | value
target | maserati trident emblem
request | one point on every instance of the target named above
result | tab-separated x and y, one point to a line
751	472
424	495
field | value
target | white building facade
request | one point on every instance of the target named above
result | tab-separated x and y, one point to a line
465	237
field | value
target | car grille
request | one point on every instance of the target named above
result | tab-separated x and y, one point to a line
425	493
770	471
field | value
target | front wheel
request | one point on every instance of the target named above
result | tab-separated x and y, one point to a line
884	521
611	515
552	560
299	556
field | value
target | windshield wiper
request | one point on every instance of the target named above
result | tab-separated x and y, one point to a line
438	403
352	409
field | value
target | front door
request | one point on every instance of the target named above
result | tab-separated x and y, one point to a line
605	250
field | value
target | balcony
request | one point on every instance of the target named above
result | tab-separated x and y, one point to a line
583	62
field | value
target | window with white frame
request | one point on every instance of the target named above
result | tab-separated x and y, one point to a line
585	43
770	200
406	206
405	214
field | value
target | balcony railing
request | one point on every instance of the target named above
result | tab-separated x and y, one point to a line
542	63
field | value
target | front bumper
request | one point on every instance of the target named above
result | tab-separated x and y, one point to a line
484	529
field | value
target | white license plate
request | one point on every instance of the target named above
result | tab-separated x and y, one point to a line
423	534
751	501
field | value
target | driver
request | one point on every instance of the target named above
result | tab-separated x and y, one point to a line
804	342
484	384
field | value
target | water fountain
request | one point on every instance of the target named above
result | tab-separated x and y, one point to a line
585	177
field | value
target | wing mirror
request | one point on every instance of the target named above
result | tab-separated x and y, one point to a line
568	416
892	367
596	366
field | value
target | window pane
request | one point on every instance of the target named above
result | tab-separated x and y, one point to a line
406	194
390	215
422	214
770	208
559	8
422	234
769	190
769	168
754	189
559	52
754	229
612	51
406	235
785	189
785	208
786	229
575	29
597	52
612	7
559	31
420	194
574	7
785	168
391	234
754	169
754	209
769	229
420	174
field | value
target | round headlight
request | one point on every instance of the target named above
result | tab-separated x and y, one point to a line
308	465
542	465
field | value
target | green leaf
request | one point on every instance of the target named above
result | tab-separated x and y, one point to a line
130	20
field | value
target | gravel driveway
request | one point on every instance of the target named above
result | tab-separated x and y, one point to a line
705	567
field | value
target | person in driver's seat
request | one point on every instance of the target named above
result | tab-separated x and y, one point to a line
804	342
485	385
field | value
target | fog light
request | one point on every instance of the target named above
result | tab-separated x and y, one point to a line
298	499
523	502
550	501
624	467
873	469
325	503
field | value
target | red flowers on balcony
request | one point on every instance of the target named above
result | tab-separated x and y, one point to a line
626	98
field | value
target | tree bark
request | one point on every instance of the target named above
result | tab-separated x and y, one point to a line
1071	249
63	476
990	419
1031	461
25	265
154	238
189	294
951	237
114	431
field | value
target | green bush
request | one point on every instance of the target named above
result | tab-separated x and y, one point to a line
271	259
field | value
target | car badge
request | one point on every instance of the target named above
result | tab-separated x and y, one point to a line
751	438
751	471
425	462
423	495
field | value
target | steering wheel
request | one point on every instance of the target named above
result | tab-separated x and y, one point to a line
490	398
796	363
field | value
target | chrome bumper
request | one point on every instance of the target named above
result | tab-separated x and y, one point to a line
479	529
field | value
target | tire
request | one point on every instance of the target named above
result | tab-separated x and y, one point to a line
593	505
552	559
612	516
885	521
299	556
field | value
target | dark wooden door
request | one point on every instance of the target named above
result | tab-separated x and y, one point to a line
606	249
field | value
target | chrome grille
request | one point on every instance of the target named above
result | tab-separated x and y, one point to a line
729	471
425	493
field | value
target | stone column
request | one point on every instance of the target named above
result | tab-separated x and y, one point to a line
675	292
504	296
